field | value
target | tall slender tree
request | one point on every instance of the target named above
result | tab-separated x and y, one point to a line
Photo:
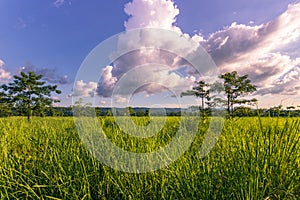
28	93
236	87
200	90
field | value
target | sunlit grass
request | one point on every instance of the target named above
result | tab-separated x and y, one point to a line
253	159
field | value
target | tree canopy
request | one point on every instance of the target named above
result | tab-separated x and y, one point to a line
200	90
233	87
236	87
28	93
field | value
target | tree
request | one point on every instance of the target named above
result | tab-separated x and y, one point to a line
5	106
275	111
98	111
235	87
109	113
131	111
28	93
243	112
81	108
290	107
200	90
291	110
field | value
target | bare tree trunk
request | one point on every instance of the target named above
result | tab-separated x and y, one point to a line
228	104
28	115
28	112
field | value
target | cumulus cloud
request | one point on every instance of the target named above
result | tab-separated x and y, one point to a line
82	89
151	79
106	85
49	74
103	102
236	40
120	99
249	49
151	47
55	98
288	84
157	67
151	14
229	44
4	74
258	51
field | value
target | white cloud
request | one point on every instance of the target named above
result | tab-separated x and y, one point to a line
287	28
152	79
103	102
159	14
82	89
288	84
151	14
251	49
234	41
257	51
107	83
55	98
58	3
120	99
2	63
4	74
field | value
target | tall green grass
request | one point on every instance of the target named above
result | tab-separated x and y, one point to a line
253	159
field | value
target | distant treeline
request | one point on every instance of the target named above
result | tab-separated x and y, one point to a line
140	112
28	95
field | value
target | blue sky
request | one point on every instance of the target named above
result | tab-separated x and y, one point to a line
53	37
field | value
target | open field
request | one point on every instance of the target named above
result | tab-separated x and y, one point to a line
253	159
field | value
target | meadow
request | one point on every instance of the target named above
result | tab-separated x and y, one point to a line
254	158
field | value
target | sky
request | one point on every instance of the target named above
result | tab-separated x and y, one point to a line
260	38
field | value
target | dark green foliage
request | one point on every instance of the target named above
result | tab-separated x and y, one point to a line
28	94
235	87
200	90
131	112
5	105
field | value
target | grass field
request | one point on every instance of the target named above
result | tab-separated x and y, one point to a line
253	159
